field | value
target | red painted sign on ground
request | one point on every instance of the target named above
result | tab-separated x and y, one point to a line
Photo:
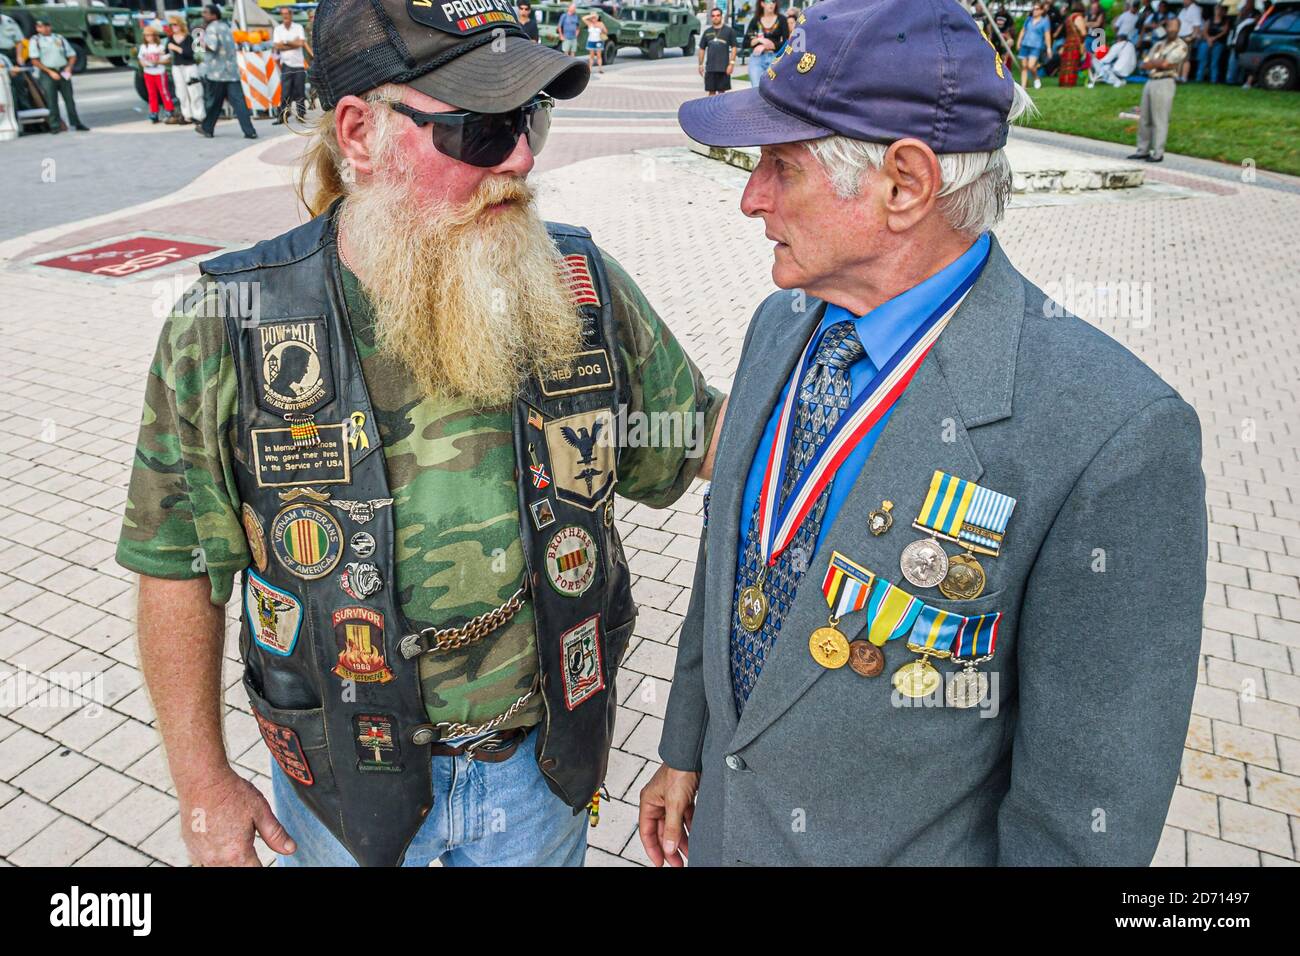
128	257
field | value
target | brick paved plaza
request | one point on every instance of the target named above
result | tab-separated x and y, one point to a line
84	782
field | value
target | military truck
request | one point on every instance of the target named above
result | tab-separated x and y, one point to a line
110	32
650	27
655	27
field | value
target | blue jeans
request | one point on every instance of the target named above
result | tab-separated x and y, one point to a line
1208	60
1234	69
758	64
484	814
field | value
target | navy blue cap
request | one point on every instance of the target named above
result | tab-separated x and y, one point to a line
875	70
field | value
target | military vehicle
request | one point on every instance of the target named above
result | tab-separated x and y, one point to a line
110	32
655	27
650	27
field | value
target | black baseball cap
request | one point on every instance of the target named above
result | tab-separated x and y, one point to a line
472	54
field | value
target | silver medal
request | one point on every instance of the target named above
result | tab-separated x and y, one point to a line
924	563
967	689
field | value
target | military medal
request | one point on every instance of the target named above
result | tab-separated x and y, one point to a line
932	635
924	563
974	645
846	586
753	605
866	659
964	580
778	521
891	612
880	520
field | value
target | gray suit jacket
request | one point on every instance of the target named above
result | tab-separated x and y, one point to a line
1074	757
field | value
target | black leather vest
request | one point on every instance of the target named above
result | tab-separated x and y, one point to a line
324	639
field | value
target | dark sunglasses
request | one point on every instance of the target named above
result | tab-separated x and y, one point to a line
485	139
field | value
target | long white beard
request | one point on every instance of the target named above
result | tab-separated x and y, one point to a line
470	301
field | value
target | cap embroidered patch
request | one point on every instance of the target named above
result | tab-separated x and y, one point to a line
463	17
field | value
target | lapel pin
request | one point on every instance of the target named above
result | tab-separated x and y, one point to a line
880	520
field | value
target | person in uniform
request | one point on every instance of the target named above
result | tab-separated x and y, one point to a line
947	608
54	59
403	450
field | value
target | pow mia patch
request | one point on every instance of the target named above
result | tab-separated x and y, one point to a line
465	17
581	372
571	560
292	365
286	749
377	746
307	541
584	675
274	615
582	457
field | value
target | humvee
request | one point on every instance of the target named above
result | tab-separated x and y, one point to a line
650	27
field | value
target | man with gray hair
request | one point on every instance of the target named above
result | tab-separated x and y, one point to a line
1004	508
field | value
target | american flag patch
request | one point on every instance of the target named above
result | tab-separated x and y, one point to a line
579	278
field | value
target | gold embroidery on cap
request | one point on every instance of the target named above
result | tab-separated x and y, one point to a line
806	62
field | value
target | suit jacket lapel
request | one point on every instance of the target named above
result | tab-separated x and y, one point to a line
771	356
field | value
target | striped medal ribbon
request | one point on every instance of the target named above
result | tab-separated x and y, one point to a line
932	635
778	522
846	587
974	645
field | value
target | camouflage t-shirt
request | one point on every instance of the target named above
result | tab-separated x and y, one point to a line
451	472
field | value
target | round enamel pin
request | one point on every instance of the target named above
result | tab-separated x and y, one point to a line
255	535
307	541
571	560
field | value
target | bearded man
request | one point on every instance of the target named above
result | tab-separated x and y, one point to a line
435	597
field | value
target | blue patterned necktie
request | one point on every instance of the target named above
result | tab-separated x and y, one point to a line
824	395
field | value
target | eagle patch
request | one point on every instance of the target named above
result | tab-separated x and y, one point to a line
582	457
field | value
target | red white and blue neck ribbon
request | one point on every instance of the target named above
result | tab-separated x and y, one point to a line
777	528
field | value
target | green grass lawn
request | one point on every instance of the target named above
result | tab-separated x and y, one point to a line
1214	122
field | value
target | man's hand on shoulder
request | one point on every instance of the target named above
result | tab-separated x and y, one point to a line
667	805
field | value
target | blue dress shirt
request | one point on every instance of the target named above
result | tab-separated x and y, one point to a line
883	331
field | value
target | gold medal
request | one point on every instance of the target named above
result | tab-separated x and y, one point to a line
752	605
917	678
829	647
964	580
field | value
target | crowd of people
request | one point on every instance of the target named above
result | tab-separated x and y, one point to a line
1075	43
188	76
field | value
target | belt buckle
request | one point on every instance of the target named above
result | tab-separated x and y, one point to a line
491	744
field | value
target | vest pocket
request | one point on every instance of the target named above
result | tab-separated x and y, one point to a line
616	640
296	739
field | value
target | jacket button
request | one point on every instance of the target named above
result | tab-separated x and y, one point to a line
734	762
421	736
548	763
